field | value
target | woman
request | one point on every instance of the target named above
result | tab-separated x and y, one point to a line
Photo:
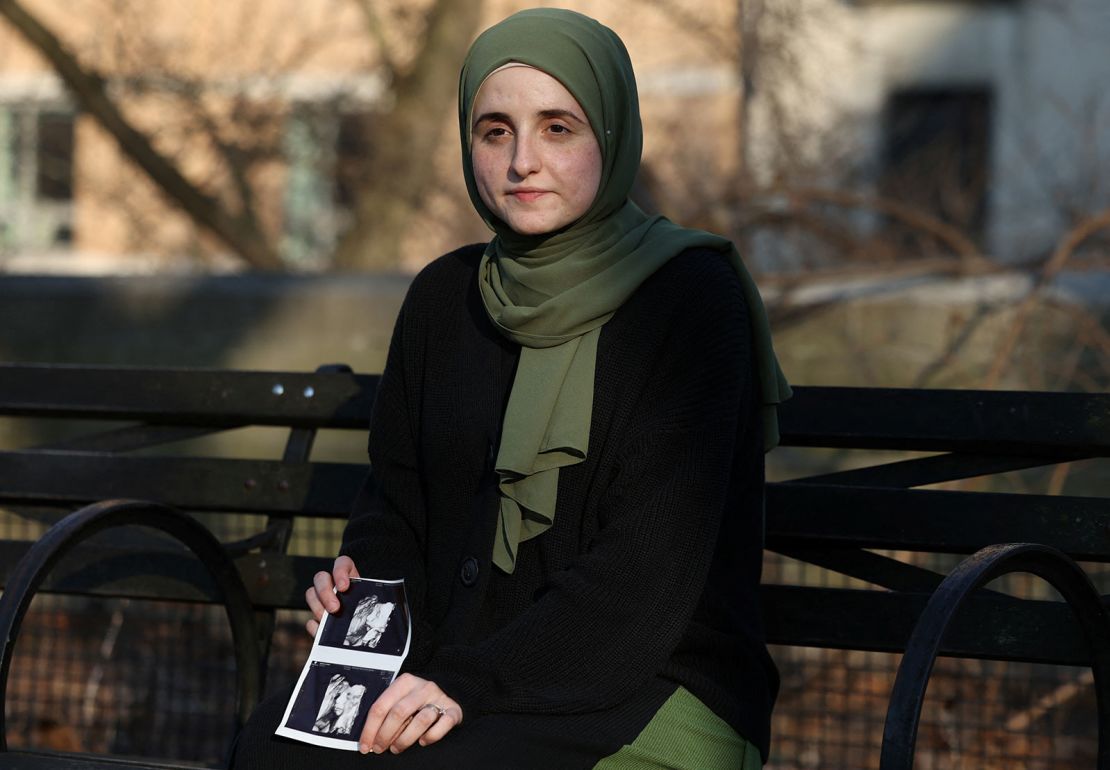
568	448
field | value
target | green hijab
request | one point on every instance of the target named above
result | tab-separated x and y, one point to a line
552	293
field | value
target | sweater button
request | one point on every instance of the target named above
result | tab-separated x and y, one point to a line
469	572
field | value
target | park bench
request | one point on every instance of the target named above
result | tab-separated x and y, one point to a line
853	522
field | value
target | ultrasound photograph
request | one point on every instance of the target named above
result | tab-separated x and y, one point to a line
357	653
373	618
333	700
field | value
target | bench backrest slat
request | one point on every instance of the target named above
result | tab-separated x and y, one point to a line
934	520
985	422
934	469
191	483
189	397
151	570
986	627
130	438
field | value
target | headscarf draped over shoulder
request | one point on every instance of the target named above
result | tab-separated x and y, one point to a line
552	293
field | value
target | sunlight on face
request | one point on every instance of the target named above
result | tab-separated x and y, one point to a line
536	161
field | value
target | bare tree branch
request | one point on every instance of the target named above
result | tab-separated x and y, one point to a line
797	198
234	160
684	19
238	232
1066	247
1019	721
377	33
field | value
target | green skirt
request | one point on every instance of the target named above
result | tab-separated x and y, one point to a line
685	735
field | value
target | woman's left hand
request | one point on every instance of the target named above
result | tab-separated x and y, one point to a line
407	713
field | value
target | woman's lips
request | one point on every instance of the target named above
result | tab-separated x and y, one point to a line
527	196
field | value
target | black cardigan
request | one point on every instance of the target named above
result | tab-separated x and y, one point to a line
648	578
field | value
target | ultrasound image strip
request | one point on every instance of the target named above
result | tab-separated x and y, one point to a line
354	658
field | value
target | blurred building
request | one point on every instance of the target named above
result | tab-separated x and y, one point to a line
208	82
991	115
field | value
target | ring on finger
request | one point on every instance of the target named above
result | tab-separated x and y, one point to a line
440	710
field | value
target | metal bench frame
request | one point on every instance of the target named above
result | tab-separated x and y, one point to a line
832	520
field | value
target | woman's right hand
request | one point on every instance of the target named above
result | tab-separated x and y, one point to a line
321	597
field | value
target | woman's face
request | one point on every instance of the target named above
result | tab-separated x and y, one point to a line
536	160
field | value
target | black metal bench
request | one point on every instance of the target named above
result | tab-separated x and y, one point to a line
840	520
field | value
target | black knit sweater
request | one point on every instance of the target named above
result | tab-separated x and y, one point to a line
649	576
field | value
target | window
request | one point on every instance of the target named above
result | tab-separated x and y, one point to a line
54	156
325	151
936	155
36	177
351	146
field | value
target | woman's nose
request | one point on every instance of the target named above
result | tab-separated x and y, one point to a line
526	159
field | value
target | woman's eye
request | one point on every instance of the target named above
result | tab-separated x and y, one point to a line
557	128
495	132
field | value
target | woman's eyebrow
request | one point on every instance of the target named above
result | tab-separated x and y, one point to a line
497	117
501	117
560	113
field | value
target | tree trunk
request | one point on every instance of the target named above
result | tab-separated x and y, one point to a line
405	140
747	20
